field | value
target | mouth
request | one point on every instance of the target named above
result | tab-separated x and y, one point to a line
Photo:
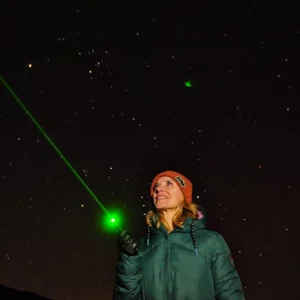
157	198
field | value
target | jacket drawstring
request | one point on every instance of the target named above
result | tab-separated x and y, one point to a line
192	234
148	236
194	237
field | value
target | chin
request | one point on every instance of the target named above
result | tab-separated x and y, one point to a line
161	207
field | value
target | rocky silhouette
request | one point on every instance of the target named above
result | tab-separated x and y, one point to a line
7	293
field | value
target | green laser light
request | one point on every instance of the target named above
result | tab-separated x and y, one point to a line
115	223
188	83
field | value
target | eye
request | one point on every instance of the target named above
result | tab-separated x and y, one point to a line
169	183
155	186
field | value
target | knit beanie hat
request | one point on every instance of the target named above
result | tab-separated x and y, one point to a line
183	183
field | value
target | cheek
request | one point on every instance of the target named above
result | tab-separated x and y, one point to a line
179	197
153	198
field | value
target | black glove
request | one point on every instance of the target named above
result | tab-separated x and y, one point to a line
127	243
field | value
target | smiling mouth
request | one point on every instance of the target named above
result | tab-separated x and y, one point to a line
160	198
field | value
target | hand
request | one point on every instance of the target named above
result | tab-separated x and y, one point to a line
127	243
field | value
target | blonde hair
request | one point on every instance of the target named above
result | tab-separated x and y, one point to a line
185	210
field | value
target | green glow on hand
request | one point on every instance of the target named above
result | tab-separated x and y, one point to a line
114	223
188	83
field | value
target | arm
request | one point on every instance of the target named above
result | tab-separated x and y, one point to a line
128	278
129	270
227	282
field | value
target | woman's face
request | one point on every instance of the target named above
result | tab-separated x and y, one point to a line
167	194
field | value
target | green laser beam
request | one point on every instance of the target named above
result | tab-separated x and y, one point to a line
56	148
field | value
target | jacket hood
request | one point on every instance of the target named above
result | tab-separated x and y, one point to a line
190	225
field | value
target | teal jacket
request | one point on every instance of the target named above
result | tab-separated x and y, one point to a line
190	263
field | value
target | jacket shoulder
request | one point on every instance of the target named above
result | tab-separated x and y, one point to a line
210	235
213	240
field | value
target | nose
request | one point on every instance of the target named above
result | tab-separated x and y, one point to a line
158	189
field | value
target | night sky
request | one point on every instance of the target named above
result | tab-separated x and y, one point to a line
106	81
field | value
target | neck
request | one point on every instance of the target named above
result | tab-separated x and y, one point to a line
168	216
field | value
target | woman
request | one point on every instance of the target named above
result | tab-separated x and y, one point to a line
179	259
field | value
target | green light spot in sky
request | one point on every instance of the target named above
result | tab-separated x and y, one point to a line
188	83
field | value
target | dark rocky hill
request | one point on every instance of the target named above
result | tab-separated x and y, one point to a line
7	293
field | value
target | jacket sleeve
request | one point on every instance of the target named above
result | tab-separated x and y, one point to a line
128	278
227	282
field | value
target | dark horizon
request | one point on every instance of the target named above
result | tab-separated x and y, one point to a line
13	294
